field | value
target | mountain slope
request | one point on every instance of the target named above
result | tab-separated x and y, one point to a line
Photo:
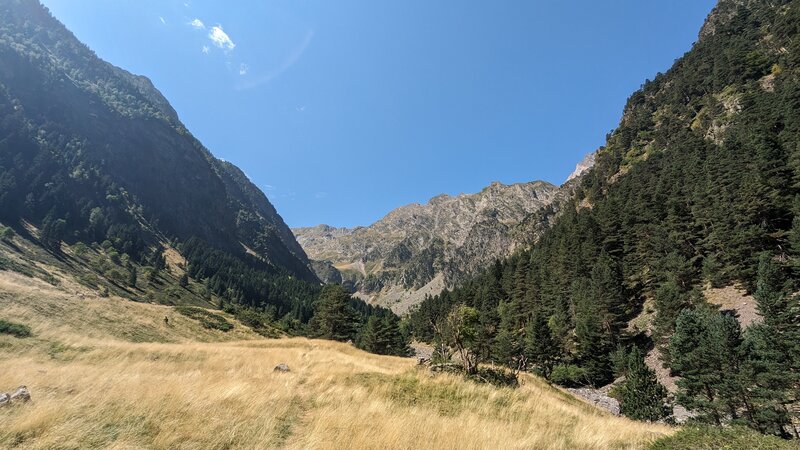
109	373
418	250
698	186
90	152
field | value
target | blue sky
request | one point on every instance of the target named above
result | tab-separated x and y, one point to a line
343	110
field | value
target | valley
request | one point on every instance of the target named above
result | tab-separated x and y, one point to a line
108	373
152	296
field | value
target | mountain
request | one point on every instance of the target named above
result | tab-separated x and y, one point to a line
90	153
418	250
697	189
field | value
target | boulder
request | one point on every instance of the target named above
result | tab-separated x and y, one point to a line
598	398
281	368
20	395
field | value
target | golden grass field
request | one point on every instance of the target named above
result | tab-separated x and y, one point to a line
108	373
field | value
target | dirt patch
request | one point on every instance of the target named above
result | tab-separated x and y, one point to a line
175	261
653	361
736	299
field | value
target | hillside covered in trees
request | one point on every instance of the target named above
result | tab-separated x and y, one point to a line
97	169
699	185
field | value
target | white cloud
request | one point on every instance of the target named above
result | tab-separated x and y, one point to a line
162	20
198	24
220	38
320	195
300	109
243	68
205	49
269	187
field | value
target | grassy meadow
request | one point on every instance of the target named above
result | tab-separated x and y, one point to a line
110	373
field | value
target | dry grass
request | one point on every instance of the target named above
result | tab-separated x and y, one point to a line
93	387
734	298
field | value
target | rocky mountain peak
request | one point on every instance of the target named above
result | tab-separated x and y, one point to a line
419	249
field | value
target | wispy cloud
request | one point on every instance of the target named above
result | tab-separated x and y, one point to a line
198	24
300	109
320	195
205	49
285	65
243	68
220	38
162	20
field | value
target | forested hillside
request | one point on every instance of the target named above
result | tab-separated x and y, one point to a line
697	186
97	169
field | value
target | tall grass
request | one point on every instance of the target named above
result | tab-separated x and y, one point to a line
104	389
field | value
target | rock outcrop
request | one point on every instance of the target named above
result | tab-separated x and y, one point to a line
418	250
20	395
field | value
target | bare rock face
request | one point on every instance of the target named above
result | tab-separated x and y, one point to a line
418	250
586	163
598	398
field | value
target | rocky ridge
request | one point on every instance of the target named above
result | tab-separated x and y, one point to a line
418	250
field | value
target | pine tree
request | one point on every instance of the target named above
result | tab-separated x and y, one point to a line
132	275
541	349
772	351
334	318
706	354
488	300
593	339
183	281
52	232
382	335
643	397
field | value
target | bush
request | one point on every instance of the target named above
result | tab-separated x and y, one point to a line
497	377
6	233
207	319
14	329
711	437
80	249
569	375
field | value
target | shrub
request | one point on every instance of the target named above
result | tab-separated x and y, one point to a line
80	249
723	438
6	233
207	319
497	377
14	329
569	375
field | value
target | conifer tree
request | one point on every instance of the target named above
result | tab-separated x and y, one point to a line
706	355
772	350
643	397
382	335
541	349
593	339
132	276
334	318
